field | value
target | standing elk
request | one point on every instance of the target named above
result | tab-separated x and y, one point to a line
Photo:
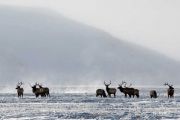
40	91
19	89
153	94
45	90
170	90
100	92
110	90
128	90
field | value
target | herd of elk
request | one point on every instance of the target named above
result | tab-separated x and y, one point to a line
110	90
19	89
128	90
38	90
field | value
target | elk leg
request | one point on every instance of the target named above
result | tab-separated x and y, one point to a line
137	95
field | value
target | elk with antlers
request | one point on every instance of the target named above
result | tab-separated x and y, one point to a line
19	89
40	91
128	90
170	90
110	90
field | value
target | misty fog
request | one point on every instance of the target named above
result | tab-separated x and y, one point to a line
46	47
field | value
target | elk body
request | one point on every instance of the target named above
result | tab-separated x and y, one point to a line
40	91
45	90
170	90
128	91
19	89
110	90
153	94
100	92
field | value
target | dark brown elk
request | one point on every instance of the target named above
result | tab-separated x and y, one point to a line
153	94
100	92
19	89
45	90
110	90
40	91
128	90
170	90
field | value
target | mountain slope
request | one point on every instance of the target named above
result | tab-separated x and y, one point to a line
44	46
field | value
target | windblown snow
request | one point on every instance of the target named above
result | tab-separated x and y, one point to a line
88	106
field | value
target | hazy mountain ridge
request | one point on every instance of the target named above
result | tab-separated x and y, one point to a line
47	47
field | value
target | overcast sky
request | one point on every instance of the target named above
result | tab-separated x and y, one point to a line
150	23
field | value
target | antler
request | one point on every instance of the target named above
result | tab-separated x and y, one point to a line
36	83
130	85
123	82
19	84
106	83
168	84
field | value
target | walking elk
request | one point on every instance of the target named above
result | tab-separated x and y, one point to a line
170	90
100	92
110	90
128	90
19	89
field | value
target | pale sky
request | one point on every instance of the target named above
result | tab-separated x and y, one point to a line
150	23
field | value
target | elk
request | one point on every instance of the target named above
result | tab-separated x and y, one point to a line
40	91
128	90
100	92
153	94
170	90
19	89
110	90
44	89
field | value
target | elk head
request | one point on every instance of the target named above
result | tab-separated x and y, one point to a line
170	86
120	86
34	87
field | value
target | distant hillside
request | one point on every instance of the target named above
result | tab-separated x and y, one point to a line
44	46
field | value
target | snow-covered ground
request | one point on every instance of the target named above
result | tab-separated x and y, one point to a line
87	106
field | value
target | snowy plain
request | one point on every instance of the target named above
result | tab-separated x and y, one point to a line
69	105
